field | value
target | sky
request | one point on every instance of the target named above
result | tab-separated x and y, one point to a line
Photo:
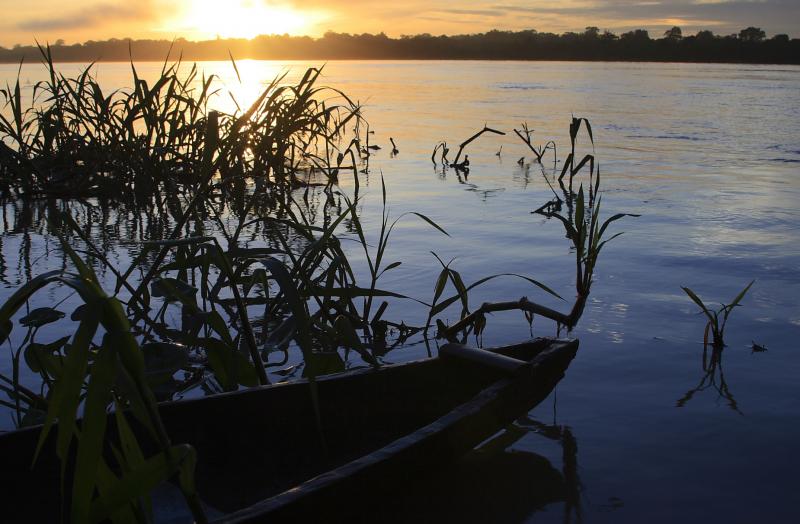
81	20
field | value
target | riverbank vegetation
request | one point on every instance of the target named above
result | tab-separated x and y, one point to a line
750	45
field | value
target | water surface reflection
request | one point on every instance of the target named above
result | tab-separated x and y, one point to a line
707	154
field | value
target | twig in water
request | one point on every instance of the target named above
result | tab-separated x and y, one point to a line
466	142
445	150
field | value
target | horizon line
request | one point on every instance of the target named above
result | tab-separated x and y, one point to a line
378	34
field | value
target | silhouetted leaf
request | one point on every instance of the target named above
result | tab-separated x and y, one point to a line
351	292
33	417
41	316
614	219
41	357
741	295
229	365
65	397
431	222
93	432
172	289
78	314
346	333
5	329
699	302
140	482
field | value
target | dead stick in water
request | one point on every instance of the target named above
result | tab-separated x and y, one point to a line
466	142
443	147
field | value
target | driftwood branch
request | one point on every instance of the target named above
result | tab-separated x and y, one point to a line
466	142
522	304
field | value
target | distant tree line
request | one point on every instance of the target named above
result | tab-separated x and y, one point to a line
750	45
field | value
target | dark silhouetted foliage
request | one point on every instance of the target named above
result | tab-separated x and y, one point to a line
673	34
748	46
752	34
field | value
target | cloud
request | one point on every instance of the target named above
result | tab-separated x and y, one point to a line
461	16
772	15
473	12
93	16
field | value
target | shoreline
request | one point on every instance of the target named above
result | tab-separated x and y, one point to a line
395	59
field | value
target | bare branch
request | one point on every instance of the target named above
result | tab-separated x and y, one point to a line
466	142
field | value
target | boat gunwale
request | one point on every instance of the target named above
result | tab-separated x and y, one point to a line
460	413
226	395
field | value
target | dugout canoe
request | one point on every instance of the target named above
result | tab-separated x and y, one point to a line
261	456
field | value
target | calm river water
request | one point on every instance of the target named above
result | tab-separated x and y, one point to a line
708	155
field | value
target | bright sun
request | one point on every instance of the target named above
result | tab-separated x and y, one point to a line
240	19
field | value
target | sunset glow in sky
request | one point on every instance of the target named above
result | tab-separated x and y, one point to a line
201	19
80	20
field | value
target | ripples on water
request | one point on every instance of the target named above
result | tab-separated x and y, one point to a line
706	153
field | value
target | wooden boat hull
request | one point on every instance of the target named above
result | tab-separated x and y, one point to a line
510	393
262	457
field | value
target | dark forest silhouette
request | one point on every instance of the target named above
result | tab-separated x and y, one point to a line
750	45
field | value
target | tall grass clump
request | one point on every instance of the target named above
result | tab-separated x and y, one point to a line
160	146
73	138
